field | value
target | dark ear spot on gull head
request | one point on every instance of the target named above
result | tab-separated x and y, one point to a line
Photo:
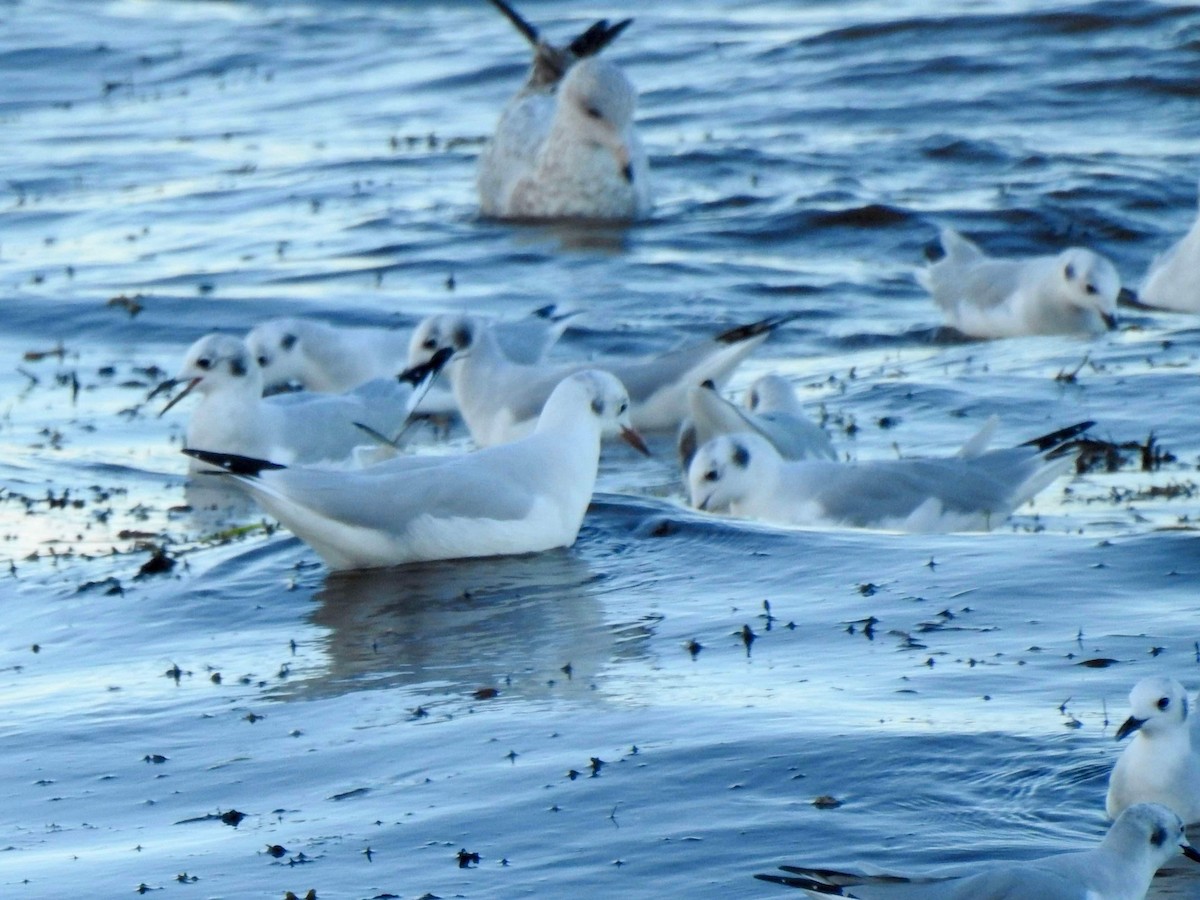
464	336
1159	837
598	406
237	367
627	172
288	342
1069	272
741	456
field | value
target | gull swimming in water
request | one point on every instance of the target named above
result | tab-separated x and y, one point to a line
1173	279
522	497
974	490
1162	762
1143	839
983	296
500	400
334	359
771	410
565	146
234	417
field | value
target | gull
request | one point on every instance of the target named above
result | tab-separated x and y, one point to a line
522	497
334	359
1173	279
1138	844
500	400
1162	762
772	411
982	296
234	417
973	490
565	146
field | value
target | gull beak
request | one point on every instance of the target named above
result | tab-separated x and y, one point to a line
626	167
191	386
634	440
1129	726
703	504
1110	320
1191	852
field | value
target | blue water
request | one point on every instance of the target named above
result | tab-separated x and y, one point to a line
219	163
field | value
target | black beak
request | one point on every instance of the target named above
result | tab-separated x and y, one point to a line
418	373
1191	852
1110	320
1129	726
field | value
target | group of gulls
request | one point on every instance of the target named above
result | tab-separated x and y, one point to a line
329	461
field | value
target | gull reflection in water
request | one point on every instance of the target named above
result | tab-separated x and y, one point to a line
527	626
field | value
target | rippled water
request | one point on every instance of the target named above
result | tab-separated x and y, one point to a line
212	164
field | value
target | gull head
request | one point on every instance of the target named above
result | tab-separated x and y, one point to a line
724	470
1156	706
602	397
444	330
600	102
1149	831
1090	283
218	362
278	348
771	393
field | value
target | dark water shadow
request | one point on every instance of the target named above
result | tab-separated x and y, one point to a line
526	625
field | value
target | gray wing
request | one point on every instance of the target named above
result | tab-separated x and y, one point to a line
321	427
391	495
867	493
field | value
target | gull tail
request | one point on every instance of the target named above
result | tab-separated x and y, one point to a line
754	329
246	466
1056	439
596	38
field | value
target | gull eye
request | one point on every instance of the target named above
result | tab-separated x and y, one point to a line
593	113
624	406
429	343
1091	288
712	475
263	361
1163	703
204	363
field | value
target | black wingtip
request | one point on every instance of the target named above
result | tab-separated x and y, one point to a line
805	884
597	37
519	22
232	463
417	374
1060	437
754	329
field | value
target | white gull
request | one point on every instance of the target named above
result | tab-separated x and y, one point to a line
1162	762
976	489
565	146
500	400
1073	292
522	497
1138	844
